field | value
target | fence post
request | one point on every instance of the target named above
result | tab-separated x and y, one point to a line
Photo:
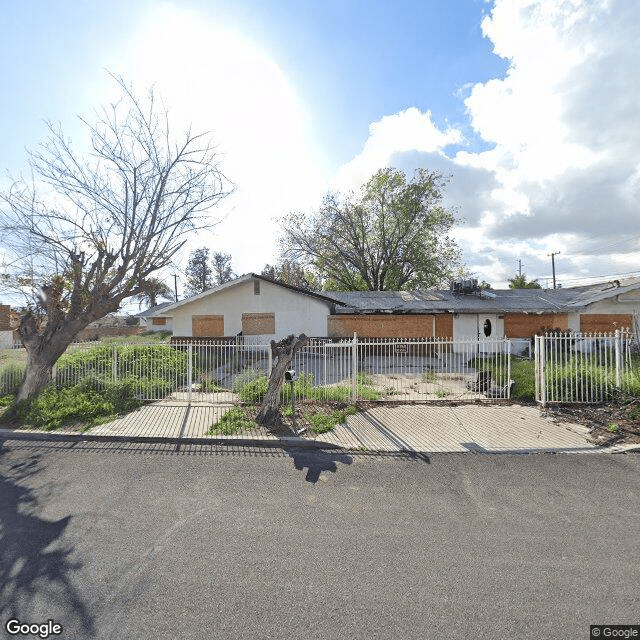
354	367
114	363
190	369
508	346
618	358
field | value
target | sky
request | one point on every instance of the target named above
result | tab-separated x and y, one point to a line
530	106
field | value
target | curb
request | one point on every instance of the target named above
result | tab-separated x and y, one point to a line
284	442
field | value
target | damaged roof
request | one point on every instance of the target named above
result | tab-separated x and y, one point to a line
492	301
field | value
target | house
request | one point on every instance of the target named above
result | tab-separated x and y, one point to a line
252	305
267	309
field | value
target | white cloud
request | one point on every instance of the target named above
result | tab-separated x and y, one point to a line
406	131
563	171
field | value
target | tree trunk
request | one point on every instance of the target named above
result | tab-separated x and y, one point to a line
282	354
36	376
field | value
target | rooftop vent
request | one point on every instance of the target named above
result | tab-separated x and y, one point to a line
468	285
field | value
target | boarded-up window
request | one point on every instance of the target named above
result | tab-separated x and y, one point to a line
254	324
390	326
158	321
604	322
522	325
207	326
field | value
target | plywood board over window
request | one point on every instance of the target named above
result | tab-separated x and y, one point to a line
158	321
604	322
255	324
207	326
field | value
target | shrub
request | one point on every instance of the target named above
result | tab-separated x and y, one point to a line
54	408
322	422
254	391
233	421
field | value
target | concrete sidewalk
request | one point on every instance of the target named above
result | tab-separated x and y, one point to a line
490	428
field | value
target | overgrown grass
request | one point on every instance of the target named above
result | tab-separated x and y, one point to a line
55	407
232	422
323	422
251	387
522	372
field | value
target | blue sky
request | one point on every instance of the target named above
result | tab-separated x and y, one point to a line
530	105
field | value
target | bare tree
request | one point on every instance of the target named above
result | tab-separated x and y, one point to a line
88	231
282	353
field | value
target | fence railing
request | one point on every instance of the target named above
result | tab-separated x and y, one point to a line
585	367
576	368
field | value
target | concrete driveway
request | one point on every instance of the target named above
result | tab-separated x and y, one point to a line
491	428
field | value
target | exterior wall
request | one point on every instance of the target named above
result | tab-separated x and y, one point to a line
152	325
390	326
522	325
294	312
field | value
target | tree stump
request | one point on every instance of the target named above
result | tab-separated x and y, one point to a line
282	353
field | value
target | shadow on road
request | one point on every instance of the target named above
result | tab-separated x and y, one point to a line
316	461
35	564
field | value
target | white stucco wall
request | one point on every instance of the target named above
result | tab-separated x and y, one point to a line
168	326
294	312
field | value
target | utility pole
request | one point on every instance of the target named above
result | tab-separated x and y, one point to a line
553	265
175	285
519	267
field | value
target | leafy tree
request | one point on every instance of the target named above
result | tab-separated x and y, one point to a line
198	272
152	289
392	235
88	231
290	272
222	271
520	282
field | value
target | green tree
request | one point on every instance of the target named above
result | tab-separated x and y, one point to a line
222	271
152	289
392	235
292	273
520	282
198	272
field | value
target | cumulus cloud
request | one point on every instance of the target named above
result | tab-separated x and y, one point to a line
406	131
562	171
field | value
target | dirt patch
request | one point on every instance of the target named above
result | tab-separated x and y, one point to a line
609	424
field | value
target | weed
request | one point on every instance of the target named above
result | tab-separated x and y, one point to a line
233	421
322	422
613	427
429	376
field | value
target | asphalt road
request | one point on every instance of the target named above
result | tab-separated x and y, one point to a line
141	541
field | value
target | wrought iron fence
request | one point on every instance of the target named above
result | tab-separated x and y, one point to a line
576	368
586	367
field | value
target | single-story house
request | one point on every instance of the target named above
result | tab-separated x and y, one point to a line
255	305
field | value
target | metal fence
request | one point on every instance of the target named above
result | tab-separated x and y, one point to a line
575	368
586	367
